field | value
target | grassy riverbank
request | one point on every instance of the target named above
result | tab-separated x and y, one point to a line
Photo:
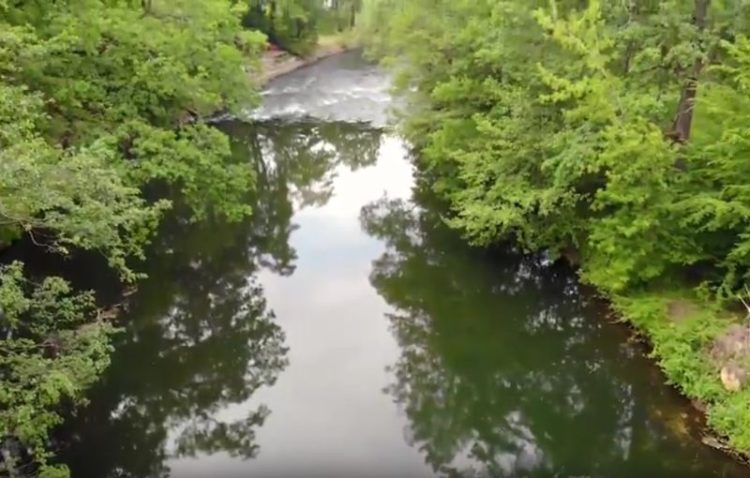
618	130
683	329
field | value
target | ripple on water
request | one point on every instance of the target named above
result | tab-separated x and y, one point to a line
340	88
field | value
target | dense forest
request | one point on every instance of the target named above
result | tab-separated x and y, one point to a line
612	133
104	120
295	25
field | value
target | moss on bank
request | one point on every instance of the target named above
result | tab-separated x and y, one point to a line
682	328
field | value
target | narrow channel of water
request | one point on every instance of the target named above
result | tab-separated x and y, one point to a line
345	331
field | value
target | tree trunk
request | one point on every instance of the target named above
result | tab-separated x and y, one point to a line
683	120
272	21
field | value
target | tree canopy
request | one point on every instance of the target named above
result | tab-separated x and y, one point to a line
478	403
103	109
614	128
610	132
296	24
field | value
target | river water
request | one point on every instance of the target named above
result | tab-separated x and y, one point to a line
344	331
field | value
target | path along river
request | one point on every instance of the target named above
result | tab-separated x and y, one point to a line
344	331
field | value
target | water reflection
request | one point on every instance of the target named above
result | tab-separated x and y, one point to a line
199	337
506	369
501	367
296	164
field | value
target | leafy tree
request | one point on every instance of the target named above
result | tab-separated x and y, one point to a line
73	194
99	101
291	24
295	25
342	14
610	132
48	355
570	127
139	83
505	367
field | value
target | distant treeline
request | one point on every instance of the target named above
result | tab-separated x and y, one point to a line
296	24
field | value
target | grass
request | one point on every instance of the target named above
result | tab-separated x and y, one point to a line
681	346
346	39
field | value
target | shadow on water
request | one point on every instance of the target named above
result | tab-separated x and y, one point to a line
507	367
198	336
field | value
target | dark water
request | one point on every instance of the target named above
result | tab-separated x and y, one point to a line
344	331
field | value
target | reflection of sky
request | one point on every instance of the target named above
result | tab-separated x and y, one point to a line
329	415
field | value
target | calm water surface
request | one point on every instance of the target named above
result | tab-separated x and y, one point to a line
344	331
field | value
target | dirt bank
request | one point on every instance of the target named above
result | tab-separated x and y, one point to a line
276	63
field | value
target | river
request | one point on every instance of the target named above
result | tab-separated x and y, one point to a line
344	331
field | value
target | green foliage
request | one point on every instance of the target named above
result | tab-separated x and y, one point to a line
554	125
100	101
119	76
75	192
682	348
680	343
195	158
49	353
615	130
295	25
340	16
291	24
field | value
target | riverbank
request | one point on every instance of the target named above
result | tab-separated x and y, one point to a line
692	343
276	63
535	128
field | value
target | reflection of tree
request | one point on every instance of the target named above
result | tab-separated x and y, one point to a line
295	164
301	157
504	370
199	337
